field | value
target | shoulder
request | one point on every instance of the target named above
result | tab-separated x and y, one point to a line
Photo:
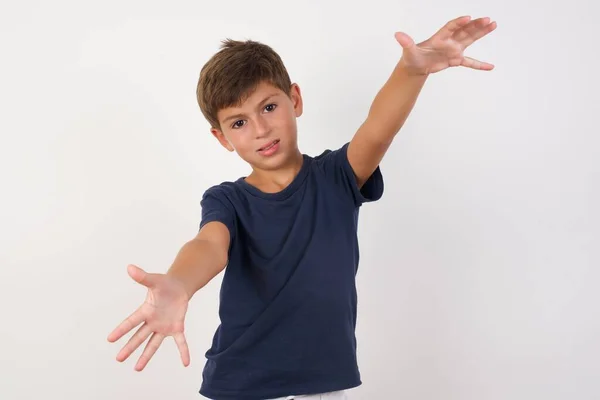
224	195
331	153
335	167
222	190
331	160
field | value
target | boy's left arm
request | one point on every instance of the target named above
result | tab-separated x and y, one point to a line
396	99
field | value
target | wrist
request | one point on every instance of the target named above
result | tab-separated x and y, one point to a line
405	68
183	283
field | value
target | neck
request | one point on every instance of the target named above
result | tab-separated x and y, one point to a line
271	181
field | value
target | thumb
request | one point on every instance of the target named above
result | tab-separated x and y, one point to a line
405	41
141	276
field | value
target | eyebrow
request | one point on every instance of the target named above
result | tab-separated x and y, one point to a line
259	105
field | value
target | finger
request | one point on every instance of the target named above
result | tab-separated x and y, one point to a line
468	29
151	347
479	33
141	276
476	64
474	31
405	41
184	350
453	26
128	324
134	342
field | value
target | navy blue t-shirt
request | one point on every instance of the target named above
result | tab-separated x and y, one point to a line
288	297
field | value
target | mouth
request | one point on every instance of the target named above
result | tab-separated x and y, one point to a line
269	145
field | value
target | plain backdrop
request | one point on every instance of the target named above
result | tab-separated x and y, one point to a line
479	268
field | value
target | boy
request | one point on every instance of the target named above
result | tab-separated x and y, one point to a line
287	231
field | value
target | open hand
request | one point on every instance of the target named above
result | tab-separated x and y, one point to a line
162	314
445	48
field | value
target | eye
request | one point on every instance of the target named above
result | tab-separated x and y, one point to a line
271	107
237	124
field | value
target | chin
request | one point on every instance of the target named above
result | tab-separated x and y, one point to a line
274	162
271	164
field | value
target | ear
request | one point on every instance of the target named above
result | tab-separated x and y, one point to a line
296	98
222	139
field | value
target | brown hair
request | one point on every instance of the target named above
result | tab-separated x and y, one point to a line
232	74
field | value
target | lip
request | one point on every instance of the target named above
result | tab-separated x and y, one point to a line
269	144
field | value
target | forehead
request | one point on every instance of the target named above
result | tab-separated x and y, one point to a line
262	89
252	99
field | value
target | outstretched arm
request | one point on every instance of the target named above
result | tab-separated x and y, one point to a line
163	312
396	99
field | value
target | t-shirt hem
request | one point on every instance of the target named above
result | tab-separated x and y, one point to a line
219	394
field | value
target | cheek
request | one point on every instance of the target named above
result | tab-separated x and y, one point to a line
286	124
290	127
243	143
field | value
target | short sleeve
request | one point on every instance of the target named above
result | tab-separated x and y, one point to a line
337	168
216	207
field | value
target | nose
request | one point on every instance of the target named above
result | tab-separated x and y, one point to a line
262	127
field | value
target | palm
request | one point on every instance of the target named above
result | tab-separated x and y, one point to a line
162	314
445	48
165	307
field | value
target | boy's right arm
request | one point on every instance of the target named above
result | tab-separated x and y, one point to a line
202	258
163	312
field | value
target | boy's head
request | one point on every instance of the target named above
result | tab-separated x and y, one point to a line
246	95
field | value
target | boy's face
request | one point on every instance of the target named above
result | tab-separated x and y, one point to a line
263	129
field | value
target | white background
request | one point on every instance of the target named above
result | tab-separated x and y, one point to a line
479	272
